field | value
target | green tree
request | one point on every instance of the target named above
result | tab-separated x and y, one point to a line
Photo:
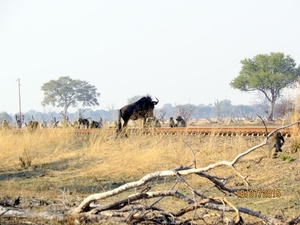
268	74
66	92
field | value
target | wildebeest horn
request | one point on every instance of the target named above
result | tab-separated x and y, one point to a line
154	102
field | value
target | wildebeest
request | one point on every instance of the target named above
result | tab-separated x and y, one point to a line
85	123
142	109
180	122
152	122
172	122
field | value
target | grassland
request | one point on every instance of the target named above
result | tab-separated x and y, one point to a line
58	168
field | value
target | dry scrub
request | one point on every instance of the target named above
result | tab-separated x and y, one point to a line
66	167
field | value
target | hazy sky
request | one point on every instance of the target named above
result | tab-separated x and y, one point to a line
178	51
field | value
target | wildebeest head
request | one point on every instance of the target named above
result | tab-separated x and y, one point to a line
141	109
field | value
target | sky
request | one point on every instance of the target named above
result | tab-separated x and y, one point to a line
178	51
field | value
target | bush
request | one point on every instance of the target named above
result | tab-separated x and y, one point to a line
286	157
295	146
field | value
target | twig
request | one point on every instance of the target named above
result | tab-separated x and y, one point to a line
224	200
263	123
194	155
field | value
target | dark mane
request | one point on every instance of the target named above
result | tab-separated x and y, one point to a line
147	98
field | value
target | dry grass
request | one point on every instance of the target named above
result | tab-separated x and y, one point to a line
81	165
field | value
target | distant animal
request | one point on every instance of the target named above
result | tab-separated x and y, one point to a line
32	125
142	109
276	141
44	125
96	124
54	125
85	123
54	122
152	122
180	122
5	124
172	122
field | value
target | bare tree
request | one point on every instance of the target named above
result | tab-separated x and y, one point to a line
223	109
218	109
284	107
185	111
162	114
112	112
262	105
65	120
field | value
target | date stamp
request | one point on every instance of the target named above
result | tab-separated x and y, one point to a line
259	193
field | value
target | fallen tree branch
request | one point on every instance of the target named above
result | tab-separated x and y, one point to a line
225	201
133	198
214	203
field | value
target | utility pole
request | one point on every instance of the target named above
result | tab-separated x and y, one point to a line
19	120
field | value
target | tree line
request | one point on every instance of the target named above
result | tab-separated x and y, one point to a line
218	111
266	74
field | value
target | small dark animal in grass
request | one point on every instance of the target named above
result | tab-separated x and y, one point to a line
5	124
96	124
275	143
142	109
32	125
85	123
172	122
152	122
180	122
54	122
